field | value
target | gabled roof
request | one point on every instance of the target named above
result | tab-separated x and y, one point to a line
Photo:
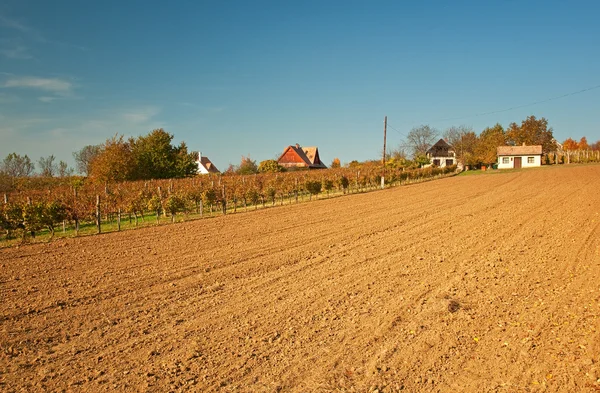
441	143
207	164
520	150
308	155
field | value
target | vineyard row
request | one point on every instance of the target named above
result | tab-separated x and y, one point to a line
83	203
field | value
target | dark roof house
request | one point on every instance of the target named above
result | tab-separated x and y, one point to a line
205	166
441	154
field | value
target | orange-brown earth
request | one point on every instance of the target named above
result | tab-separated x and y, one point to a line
479	283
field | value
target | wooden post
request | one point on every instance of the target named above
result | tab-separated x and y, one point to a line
98	217
119	220
161	203
5	198
224	203
384	140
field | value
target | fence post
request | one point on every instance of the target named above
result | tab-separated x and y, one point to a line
224	204
98	217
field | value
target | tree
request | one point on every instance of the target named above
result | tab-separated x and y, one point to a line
570	145
313	187
15	165
595	145
115	161
270	166
486	149
47	166
531	132
335	163
185	163
247	166
154	157
85	157
64	170
583	144
459	137
421	138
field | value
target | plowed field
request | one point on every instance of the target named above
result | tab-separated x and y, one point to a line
484	283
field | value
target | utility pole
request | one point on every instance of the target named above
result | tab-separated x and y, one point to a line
384	140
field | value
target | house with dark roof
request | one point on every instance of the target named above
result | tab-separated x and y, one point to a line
441	154
205	166
301	157
519	156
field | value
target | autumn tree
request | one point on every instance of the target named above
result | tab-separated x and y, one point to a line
570	145
335	163
421	138
15	165
531	132
247	166
583	144
595	145
114	162
84	157
486	148
270	166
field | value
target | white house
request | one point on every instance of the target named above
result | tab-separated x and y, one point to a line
205	166
519	156
441	154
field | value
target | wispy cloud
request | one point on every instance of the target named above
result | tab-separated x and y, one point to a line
55	85
18	52
13	24
141	115
47	99
33	34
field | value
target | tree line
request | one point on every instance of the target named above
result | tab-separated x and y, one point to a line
481	149
154	156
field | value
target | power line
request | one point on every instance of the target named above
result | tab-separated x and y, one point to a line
522	106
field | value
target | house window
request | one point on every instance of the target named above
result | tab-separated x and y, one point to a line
505	160
530	160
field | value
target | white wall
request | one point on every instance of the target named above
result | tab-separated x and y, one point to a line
537	161
201	169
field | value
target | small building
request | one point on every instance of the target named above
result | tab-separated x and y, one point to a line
205	166
519	156
441	154
301	157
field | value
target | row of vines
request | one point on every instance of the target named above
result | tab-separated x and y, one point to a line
78	203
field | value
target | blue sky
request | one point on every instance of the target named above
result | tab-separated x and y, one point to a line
233	78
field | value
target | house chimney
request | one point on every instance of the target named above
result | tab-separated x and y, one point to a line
297	146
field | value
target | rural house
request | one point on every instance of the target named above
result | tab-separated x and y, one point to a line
205	166
519	156
441	154
301	157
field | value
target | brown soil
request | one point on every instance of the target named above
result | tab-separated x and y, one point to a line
468	284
